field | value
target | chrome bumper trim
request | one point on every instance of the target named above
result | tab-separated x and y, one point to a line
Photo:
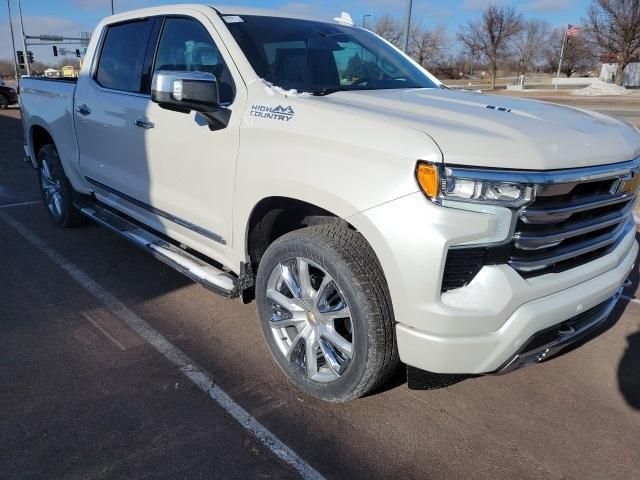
564	337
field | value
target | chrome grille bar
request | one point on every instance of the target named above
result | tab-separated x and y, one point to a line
556	214
549	177
539	240
543	261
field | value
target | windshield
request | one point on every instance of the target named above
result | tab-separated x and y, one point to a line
321	57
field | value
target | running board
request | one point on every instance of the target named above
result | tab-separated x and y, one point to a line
198	270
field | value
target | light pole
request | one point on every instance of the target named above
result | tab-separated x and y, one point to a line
407	27
13	42
111	7
24	41
364	17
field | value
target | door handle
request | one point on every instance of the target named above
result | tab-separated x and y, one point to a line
143	123
83	110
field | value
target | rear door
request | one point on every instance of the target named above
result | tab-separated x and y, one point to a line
107	104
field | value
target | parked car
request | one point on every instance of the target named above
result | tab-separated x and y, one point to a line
8	96
373	215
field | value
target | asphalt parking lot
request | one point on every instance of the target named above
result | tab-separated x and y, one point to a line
84	394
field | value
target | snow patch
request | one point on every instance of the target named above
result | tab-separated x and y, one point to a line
272	89
599	88
469	297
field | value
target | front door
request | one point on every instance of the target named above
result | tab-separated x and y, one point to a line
190	180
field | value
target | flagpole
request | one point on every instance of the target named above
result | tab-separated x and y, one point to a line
564	41
407	27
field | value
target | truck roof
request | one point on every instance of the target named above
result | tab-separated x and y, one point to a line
263	12
222	9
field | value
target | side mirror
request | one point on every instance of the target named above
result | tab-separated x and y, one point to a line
187	91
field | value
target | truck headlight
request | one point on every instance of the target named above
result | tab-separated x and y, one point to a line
441	183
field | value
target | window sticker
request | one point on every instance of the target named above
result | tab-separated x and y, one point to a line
232	19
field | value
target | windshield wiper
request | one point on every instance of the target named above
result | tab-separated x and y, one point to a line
328	91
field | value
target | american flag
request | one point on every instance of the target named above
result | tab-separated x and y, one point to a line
573	31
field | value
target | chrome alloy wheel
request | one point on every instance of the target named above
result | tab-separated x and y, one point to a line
310	319
51	188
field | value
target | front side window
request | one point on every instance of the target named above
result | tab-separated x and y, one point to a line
122	56
185	46
321	57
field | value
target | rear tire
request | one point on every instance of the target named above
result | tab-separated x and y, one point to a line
337	313
56	189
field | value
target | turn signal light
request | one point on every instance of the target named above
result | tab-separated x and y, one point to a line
428	179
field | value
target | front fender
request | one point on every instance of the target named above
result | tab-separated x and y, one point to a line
336	160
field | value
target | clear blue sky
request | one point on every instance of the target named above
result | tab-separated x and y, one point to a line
69	17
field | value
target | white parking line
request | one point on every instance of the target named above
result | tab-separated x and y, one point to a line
187	366
20	204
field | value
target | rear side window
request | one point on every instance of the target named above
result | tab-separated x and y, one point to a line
122	56
185	46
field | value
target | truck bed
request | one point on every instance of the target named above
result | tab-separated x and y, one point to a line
48	103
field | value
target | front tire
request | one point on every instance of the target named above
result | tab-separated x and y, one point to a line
56	189
325	311
4	102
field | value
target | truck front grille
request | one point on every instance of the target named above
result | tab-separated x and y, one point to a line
569	224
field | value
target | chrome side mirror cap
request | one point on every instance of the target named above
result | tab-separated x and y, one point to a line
187	91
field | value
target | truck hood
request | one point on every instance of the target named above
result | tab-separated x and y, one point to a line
496	131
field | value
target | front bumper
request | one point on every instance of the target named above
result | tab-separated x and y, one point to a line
507	348
481	331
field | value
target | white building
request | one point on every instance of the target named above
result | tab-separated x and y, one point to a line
631	73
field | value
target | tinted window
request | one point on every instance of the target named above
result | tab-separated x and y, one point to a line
315	56
185	46
122	56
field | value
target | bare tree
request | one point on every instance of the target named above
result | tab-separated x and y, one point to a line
529	41
427	46
614	26
490	37
38	68
388	28
578	55
6	68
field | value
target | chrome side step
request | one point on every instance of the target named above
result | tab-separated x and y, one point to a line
204	273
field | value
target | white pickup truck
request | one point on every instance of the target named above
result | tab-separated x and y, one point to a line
375	215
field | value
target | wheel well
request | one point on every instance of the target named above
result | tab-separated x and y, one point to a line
275	216
39	138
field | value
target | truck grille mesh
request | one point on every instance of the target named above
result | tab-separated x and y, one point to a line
568	225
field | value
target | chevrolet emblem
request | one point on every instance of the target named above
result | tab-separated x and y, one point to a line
629	184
